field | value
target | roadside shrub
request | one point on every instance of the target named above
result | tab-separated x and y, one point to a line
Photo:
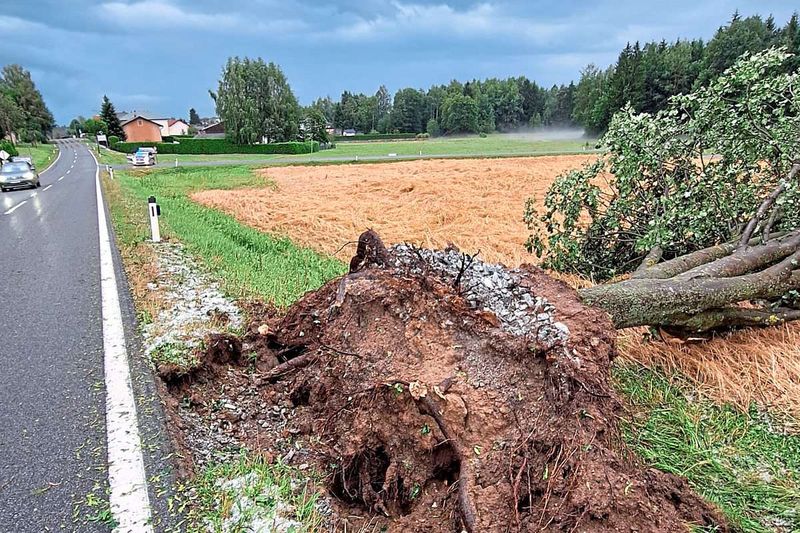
375	137
112	141
423	135
167	139
220	146
482	135
8	147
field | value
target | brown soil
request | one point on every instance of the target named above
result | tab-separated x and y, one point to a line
425	415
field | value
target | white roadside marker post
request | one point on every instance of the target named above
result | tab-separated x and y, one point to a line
176	162
155	212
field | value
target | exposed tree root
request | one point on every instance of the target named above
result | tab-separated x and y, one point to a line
427	414
290	365
465	476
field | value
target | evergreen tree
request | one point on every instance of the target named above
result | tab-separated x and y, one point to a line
109	115
790	38
194	118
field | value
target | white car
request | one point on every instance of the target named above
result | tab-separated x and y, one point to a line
144	157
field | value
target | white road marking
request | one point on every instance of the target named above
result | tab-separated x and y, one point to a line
33	195
23	202
53	164
61	178
47	187
126	475
70	170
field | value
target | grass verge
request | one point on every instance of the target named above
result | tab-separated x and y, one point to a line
247	494
495	145
129	217
735	459
42	154
247	261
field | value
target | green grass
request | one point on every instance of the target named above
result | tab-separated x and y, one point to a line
491	145
42	154
737	460
496	144
109	157
174	353
249	262
263	487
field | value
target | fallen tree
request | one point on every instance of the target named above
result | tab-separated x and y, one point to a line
705	241
435	392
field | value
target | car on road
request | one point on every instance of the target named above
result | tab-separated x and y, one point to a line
143	157
23	159
18	174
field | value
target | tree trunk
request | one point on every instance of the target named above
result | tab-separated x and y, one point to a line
685	293
706	289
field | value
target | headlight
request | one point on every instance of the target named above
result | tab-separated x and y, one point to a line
28	175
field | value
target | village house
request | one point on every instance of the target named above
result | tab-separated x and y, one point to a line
142	129
167	126
214	131
176	127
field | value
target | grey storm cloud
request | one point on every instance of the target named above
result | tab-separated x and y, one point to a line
164	55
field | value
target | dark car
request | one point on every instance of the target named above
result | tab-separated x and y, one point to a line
18	174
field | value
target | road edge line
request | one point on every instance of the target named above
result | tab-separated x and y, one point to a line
127	479
53	163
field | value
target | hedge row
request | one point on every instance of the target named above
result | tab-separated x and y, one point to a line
375	137
220	146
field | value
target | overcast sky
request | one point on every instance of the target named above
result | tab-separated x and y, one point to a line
163	55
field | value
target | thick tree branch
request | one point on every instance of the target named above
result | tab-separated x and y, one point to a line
639	302
746	260
732	317
651	259
681	264
765	206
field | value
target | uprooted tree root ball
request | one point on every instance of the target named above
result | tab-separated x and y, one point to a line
436	392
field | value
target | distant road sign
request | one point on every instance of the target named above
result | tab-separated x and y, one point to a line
101	138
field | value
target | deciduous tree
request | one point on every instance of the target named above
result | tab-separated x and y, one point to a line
255	101
35	120
701	233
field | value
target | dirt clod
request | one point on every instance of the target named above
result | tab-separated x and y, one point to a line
431	405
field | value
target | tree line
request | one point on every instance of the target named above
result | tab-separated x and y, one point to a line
647	76
472	107
256	102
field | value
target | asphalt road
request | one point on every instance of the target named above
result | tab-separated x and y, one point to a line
52	392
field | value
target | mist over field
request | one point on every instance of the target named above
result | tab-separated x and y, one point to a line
548	134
